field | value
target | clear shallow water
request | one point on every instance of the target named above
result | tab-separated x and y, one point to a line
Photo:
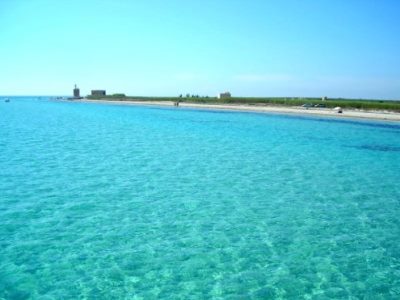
116	202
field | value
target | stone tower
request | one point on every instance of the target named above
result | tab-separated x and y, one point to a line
76	92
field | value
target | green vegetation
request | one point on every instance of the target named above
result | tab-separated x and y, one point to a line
118	95
276	101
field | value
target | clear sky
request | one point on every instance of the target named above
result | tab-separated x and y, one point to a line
334	48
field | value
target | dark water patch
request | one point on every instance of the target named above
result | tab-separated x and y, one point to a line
376	147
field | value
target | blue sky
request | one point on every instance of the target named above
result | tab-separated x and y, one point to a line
341	48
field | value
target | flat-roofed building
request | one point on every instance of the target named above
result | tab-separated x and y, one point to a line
98	92
224	95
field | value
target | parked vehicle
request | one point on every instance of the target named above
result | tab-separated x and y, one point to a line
307	105
338	109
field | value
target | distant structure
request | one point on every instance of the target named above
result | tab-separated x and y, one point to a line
98	92
77	93
224	95
324	98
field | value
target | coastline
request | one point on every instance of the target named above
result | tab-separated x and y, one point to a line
324	112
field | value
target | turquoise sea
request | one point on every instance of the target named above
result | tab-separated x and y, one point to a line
129	202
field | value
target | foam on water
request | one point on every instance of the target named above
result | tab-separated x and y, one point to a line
112	202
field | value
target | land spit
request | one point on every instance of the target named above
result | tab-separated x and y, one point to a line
315	111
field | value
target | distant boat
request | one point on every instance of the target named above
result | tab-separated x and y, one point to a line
7	100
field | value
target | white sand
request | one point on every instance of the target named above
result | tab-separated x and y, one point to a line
326	112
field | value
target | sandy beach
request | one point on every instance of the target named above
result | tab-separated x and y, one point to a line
325	112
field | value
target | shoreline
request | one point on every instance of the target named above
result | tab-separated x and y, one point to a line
324	112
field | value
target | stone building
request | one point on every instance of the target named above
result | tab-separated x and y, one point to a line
98	92
224	95
76	92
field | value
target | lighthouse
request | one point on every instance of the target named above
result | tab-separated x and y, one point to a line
76	92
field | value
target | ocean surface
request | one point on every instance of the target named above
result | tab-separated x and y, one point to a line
128	202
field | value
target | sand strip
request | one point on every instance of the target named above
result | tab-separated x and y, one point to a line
326	112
